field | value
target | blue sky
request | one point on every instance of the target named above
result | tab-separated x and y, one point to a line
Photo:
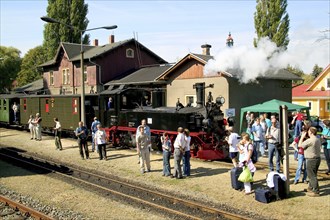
174	28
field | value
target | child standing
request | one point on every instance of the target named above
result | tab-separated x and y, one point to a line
246	148
166	145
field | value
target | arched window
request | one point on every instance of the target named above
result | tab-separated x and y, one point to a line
130	53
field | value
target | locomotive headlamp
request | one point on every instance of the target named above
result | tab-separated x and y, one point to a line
220	100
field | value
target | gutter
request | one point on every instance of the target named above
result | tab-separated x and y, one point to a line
100	81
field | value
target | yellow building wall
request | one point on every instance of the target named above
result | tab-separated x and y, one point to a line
318	107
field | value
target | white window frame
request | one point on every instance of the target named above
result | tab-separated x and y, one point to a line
186	100
129	53
66	76
327	84
327	106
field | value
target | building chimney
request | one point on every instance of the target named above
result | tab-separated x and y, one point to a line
95	42
111	39
206	49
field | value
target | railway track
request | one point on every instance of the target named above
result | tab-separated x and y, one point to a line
141	196
10	209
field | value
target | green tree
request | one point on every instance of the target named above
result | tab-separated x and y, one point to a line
70	12
316	71
295	70
10	63
272	20
29	68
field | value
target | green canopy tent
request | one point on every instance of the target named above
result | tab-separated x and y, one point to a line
272	106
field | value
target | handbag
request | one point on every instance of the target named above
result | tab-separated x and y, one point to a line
280	150
246	175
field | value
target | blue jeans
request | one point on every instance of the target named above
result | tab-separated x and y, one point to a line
166	163
272	149
177	163
186	163
259	146
301	166
297	128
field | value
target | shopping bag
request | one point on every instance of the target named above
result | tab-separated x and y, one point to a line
246	175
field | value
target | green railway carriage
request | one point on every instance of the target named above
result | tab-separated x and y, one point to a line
6	111
64	107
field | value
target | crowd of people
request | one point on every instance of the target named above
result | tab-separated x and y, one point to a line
307	144
181	151
263	134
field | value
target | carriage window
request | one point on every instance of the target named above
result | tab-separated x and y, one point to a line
24	104
0	104
74	106
4	104
47	105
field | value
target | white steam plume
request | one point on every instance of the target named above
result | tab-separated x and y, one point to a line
253	62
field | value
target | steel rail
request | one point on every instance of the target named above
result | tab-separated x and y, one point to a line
171	198
25	209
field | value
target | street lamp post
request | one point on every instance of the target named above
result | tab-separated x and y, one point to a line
82	101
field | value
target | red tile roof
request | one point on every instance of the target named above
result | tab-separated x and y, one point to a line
301	91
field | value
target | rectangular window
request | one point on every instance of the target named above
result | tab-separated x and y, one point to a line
190	100
51	78
0	104
328	83
85	74
66	76
74	106
5	104
327	106
24	104
47	106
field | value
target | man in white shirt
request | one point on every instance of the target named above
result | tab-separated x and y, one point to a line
179	147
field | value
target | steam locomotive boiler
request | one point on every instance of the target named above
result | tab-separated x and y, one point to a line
205	121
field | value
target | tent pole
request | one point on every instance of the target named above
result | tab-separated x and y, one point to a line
285	145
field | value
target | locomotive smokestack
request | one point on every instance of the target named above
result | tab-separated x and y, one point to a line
200	93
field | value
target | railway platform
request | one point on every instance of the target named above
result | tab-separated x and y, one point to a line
209	180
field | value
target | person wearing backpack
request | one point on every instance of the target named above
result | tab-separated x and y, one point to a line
273	139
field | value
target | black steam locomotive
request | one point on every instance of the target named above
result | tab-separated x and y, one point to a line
205	121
